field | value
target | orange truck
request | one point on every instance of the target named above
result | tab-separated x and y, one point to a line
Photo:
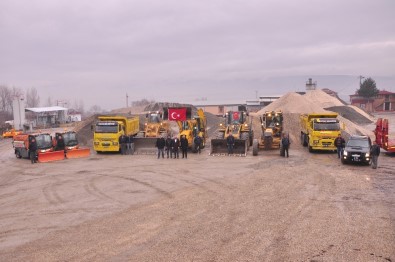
72	148
11	133
45	150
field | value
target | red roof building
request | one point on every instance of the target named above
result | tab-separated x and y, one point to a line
383	102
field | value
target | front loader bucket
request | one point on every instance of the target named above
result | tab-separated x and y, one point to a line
145	145
50	156
77	153
219	147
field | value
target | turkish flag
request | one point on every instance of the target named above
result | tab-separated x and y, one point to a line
177	114
236	115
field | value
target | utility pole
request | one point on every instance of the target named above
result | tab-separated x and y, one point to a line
127	100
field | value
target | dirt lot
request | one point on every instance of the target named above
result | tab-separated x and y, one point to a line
308	207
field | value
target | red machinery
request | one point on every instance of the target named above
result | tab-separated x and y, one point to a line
382	135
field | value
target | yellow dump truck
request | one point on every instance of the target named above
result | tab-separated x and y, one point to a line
319	131
108	129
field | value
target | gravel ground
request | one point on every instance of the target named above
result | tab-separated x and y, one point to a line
307	207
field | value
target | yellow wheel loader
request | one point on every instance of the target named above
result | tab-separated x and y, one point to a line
236	123
272	129
190	125
155	126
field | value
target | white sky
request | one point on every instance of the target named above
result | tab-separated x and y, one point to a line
182	50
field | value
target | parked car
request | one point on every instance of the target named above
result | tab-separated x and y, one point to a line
357	150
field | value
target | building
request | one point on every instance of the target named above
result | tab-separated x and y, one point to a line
48	116
383	102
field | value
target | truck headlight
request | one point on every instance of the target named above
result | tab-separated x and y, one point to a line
96	143
345	153
367	155
114	143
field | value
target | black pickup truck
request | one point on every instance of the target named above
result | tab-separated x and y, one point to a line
357	150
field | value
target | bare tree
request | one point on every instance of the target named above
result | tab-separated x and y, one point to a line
79	106
32	98
5	99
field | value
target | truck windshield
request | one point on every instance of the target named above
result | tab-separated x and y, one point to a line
154	118
107	127
358	143
70	139
44	141
326	126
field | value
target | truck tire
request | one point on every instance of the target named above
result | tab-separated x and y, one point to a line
311	149
255	147
18	154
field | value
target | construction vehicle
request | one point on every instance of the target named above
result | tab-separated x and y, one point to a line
272	129
45	150
319	131
236	122
72	148
108	129
382	135
191	126
11	133
155	126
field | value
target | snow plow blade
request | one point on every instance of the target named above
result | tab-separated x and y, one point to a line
78	153
145	146
219	147
50	156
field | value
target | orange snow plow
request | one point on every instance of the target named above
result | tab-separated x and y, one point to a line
50	156
77	153
70	145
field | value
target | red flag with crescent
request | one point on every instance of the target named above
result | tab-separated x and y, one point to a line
177	114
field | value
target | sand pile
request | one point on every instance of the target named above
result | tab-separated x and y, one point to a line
293	103
323	99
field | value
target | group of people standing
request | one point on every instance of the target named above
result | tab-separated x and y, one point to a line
126	144
172	146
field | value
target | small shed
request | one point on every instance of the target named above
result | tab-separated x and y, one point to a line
50	116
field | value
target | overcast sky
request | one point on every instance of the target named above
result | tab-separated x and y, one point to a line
183	50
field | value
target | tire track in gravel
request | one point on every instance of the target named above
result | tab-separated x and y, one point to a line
51	194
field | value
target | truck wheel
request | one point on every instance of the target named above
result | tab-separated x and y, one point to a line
18	154
311	149
255	148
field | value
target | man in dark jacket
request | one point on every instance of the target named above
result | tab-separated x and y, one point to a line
184	146
130	145
160	144
230	142
32	149
285	144
175	144
168	146
198	143
123	144
59	143
374	152
340	144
